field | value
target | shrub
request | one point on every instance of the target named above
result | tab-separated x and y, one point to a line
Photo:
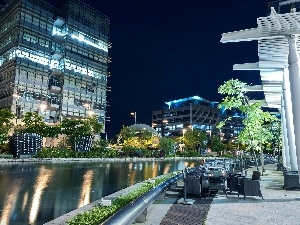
100	213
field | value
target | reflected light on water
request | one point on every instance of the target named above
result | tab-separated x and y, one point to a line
131	174
167	168
41	183
85	192
25	200
9	205
154	169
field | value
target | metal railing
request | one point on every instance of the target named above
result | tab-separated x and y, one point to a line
129	213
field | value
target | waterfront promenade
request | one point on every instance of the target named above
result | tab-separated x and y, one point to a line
278	207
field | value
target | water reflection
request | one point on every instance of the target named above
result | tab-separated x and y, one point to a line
35	193
86	188
42	180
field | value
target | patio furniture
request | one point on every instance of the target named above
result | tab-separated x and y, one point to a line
233	182
193	184
250	187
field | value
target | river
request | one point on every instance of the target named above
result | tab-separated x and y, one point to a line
35	193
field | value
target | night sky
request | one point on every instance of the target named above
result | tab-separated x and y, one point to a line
166	50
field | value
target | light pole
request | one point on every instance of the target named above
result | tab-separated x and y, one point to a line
17	105
183	132
87	106
43	107
134	114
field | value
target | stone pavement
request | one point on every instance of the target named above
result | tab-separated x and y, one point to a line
279	207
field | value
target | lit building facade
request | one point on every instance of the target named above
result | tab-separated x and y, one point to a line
178	116
53	61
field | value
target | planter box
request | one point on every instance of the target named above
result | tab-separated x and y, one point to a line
83	144
27	144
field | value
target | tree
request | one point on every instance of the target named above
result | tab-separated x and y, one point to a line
76	128
256	131
6	124
166	145
33	123
194	138
135	138
216	145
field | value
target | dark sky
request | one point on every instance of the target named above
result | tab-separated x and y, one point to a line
164	50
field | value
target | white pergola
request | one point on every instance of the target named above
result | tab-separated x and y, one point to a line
278	37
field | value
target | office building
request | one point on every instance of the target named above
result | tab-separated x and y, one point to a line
180	115
53	60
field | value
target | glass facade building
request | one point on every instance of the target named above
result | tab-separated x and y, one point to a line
195	113
53	61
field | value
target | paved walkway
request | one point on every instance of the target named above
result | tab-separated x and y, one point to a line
279	207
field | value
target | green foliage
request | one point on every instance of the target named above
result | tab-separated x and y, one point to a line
4	148
215	144
194	138
255	132
56	153
33	123
101	213
75	128
166	145
139	139
188	153
126	133
6	124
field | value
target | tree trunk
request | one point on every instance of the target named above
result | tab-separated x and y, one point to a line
262	160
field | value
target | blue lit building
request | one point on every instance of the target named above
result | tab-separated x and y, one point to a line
53	61
178	116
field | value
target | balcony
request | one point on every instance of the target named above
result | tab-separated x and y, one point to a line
54	89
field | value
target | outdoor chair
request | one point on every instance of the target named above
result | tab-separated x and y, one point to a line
217	183
250	188
233	183
193	184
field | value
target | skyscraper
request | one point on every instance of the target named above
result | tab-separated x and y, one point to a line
53	61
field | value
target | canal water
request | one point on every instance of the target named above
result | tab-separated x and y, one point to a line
35	193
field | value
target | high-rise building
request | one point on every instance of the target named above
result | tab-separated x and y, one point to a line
53	61
178	116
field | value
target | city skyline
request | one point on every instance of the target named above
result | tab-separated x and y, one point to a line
161	52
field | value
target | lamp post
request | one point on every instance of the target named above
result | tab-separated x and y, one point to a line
43	107
134	114
17	104
86	106
183	132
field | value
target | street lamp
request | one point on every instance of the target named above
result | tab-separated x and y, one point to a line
183	132
43	107
17	104
86	106
134	114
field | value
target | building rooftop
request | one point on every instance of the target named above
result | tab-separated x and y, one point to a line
193	99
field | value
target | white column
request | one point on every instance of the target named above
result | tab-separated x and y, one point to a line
295	91
285	147
289	121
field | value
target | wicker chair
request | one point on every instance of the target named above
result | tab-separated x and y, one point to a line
233	182
251	188
193	184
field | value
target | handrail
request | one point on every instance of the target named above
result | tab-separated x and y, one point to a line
129	213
